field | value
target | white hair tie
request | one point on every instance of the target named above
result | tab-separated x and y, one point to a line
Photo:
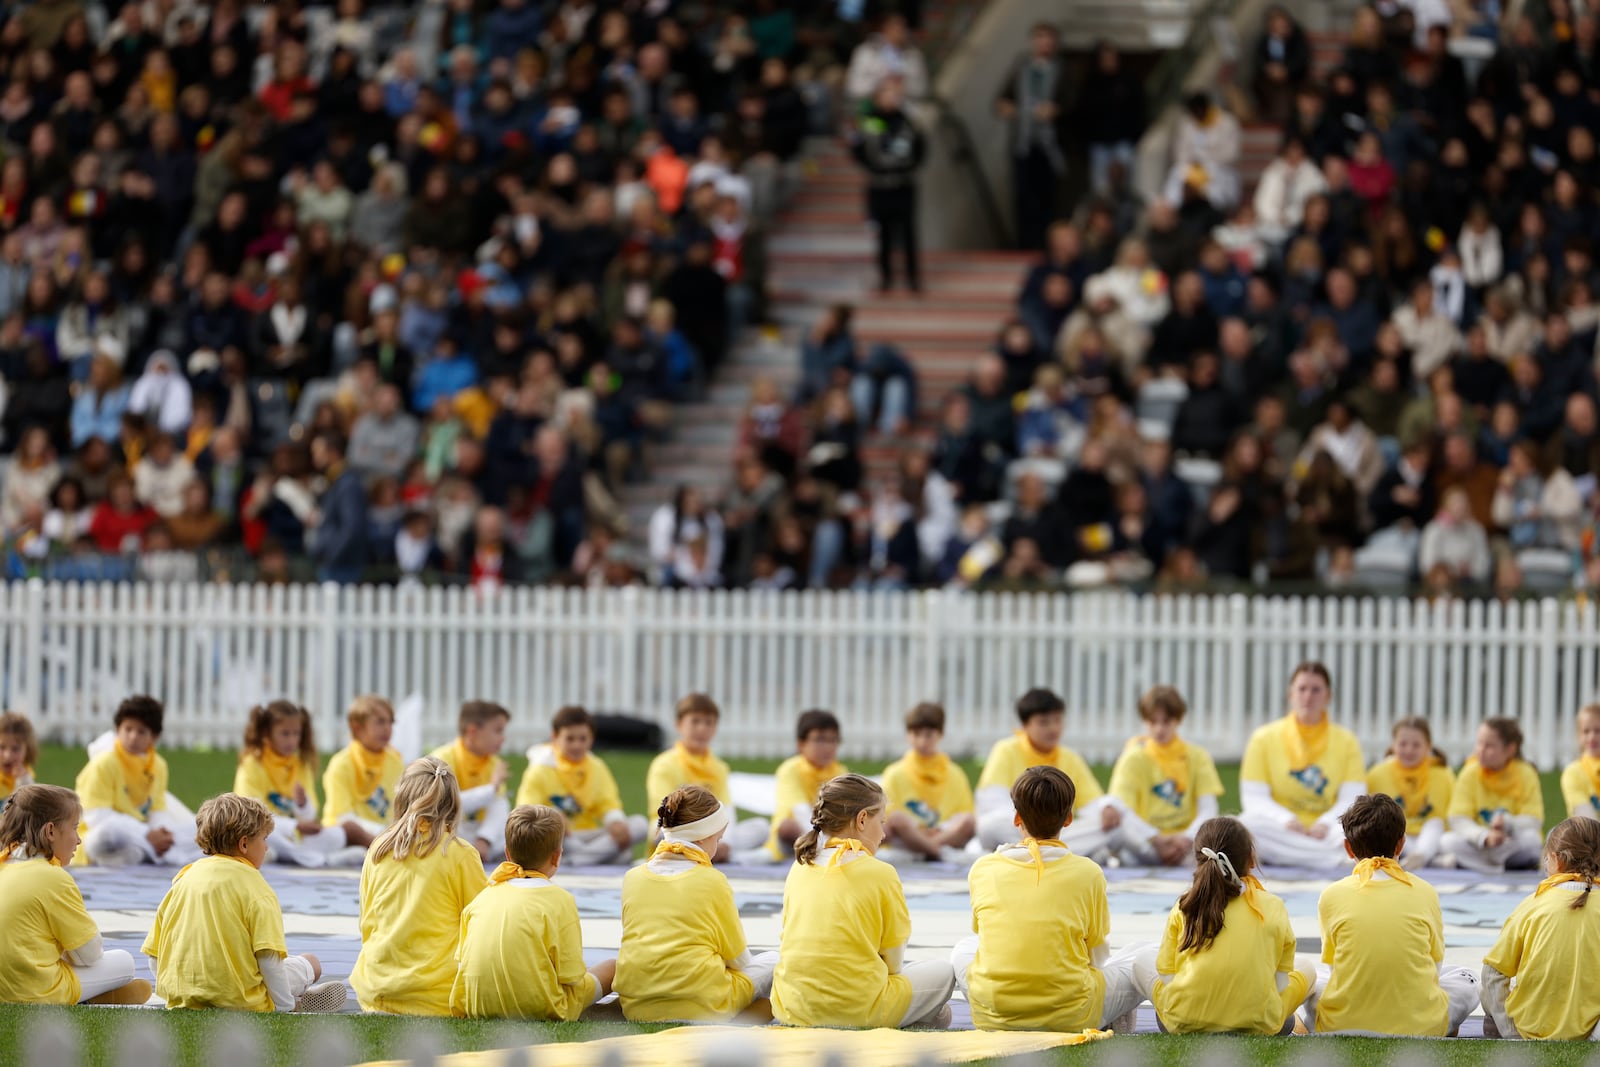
690	832
1222	861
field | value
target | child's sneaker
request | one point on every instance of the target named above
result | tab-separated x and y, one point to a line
134	993
958	856
329	996
1127	1022
939	1020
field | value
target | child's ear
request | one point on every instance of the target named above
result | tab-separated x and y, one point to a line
1400	847
1016	820
1348	851
1068	822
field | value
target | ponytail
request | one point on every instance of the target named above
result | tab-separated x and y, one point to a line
1223	852
1575	843
839	801
427	803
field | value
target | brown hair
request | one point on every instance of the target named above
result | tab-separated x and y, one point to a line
263	717
1576	844
812	721
17	725
479	713
1312	666
32	808
143	709
1420	725
1038	702
1206	901
571	716
1044	797
1587	709
427	803
534	833
926	716
1509	731
839	801
223	821
1374	825
698	704
1165	699
364	708
689	804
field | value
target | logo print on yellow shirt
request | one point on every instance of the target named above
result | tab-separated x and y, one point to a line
923	812
144	809
1423	813
566	804
281	803
1487	815
378	803
1311	778
1168	792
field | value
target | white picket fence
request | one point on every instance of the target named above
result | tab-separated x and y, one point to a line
70	652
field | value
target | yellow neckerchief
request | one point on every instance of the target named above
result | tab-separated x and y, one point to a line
1505	783
218	856
1032	756
1373	864
1555	880
1247	892
840	846
1034	845
8	782
282	771
816	777
689	852
930	772
702	769
139	772
369	766
1591	767
1305	744
5	854
1414	783
572	775
1171	759
508	870
472	770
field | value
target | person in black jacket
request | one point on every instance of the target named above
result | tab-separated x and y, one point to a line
340	542
1283	59
1110	116
889	145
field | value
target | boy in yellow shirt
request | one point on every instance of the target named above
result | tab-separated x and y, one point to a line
931	811
474	758
1580	782
1497	809
567	775
124	796
361	778
691	762
521	950
1039	960
19	751
217	940
1169	783
1383	937
799	778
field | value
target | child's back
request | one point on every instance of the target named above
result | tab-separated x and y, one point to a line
42	913
542	976
1231	984
219	913
1383	935
680	929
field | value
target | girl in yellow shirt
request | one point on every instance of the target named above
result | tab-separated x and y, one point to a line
683	953
1548	943
1497	809
278	766
1418	777
417	879
1580	782
19	751
845	925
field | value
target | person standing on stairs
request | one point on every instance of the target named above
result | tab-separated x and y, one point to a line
888	144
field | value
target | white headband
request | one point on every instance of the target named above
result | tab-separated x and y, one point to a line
690	832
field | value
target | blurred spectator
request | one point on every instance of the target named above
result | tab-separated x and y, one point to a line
1206	156
1111	114
891	148
888	53
1282	61
1035	99
1455	541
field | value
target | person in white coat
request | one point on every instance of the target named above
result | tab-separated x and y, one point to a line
1285	186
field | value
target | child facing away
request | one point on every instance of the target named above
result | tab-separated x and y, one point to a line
931	811
1169	783
1580	782
691	762
474	758
362	778
683	953
801	777
521	947
417	880
566	774
54	954
1497	809
1417	775
217	940
1383	937
1531	984
124	796
278	766
1040	911
841	955
19	751
1100	825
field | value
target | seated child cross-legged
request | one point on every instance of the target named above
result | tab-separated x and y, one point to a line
931	809
691	762
1169	783
566	774
1383	937
360	783
124	796
54	954
521	947
1417	775
1580	782
217	940
841	956
474	758
801	776
19	751
1497	809
1532	977
683	953
278	766
1041	911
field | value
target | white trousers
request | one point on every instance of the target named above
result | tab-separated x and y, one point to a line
1520	849
120	841
932	982
1279	846
594	848
290	846
111	971
1460	987
747	834
1084	836
1423	848
1130	975
491	827
759	969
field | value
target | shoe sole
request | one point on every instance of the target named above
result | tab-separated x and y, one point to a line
327	997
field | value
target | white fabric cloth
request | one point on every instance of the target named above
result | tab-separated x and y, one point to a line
594	848
112	970
932	982
118	840
286	978
1466	842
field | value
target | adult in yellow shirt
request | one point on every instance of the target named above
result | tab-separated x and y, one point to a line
565	774
362	778
841	956
1383	937
1497	810
278	766
1418	777
474	758
1169	783
931	811
683	953
418	879
1298	776
799	779
1549	945
521	947
1580	782
124	795
691	762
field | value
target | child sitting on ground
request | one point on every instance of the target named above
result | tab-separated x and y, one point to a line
931	810
1040	910
521	950
1497	809
1383	936
124	797
474	758
278	766
360	782
1580	782
567	775
1169	783
1418	776
19	751
54	954
800	777
691	762
217	940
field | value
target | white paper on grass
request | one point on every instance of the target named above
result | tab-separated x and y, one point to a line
757	793
407	737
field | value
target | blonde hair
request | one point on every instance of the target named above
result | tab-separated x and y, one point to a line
17	725
427	803
1587	709
30	810
534	833
839	801
365	707
1576	844
223	821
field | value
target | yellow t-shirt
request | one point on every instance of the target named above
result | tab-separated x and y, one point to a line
218	914
929	790
521	955
1012	755
1423	791
411	927
1512	790
42	914
678	767
11	783
472	772
110	780
679	931
1385	941
1031	922
1231	985
1164	799
254	779
359	785
837	922
797	783
1545	945
1305	782
1580	791
584	791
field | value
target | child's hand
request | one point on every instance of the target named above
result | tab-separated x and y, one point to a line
1295	826
619	833
299	795
501	773
160	839
1110	819
1171	848
483	848
308	827
1318	831
1496	838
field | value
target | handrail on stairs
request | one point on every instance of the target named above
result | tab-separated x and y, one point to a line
1164	87
964	153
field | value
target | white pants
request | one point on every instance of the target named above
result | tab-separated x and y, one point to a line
759	969
1422	848
1279	846
1520	849
111	971
1084	836
120	841
288	845
1130	975
932	982
747	834
1460	987
491	827
593	848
